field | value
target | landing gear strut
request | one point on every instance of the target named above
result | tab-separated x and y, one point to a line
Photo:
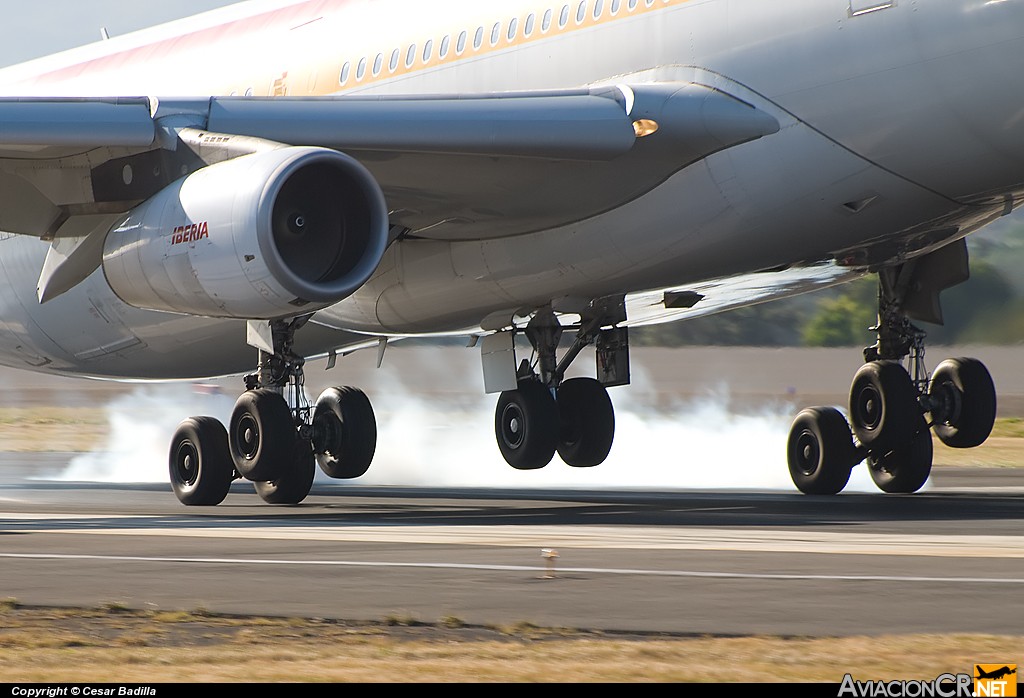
275	436
545	413
892	409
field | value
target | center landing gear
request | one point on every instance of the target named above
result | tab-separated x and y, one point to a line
893	411
545	414
275	437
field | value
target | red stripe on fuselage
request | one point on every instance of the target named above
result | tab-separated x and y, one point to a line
164	49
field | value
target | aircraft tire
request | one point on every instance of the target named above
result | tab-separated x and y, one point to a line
905	469
261	435
884	412
294	484
587	422
526	426
967	384
344	432
200	464
820	451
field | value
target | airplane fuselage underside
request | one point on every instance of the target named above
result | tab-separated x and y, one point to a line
707	222
856	177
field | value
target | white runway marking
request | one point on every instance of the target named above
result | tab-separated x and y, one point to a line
21	516
568	537
515	568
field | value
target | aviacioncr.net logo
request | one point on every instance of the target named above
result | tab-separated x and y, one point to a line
942	686
996	680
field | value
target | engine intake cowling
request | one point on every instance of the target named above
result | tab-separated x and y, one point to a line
263	236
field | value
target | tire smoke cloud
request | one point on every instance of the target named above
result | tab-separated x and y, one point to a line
428	438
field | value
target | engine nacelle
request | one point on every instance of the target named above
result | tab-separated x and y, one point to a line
263	236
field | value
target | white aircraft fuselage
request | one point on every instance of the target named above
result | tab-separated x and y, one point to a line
901	129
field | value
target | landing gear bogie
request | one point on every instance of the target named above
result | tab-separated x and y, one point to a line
545	412
893	409
274	437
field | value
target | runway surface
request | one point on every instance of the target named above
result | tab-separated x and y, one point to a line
719	561
948	560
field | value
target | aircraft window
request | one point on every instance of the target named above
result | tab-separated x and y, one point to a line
445	43
563	18
512	26
478	38
495	33
378	63
545	23
428	50
648	2
393	63
345	69
632	5
581	11
248	92
528	25
361	68
460	45
410	56
598	8
615	6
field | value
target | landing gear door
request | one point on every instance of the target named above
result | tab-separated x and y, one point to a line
613	357
499	358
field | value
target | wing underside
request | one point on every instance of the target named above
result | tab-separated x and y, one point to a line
450	167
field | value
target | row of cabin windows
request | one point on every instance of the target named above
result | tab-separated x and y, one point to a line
511	32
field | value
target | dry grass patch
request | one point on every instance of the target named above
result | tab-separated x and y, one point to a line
70	646
997	452
56	429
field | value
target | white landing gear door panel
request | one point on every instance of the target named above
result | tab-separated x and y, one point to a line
499	359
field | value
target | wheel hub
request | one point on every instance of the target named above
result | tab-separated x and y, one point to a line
512	430
186	461
879	464
327	434
950	402
248	437
809	454
868	407
572	429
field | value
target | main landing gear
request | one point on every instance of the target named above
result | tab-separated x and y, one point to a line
546	413
893	411
275	437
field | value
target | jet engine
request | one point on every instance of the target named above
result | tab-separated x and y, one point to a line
263	236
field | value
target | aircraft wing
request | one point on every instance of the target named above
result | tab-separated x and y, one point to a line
451	167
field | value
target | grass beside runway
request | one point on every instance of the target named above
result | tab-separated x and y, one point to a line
52	429
115	644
